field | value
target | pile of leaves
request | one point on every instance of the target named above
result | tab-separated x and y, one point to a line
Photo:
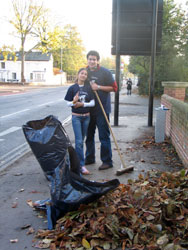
148	213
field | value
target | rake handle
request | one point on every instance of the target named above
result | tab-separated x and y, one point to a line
106	118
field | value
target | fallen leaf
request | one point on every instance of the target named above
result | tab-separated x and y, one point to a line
53	246
14	240
30	231
14	204
30	203
34	192
42	245
155	162
85	243
163	240
21	190
18	174
26	226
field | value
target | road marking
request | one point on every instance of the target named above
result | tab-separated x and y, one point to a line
10	130
25	144
66	120
21	111
47	103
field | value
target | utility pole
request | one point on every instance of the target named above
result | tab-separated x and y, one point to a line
61	57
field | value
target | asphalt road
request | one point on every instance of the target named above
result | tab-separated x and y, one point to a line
19	108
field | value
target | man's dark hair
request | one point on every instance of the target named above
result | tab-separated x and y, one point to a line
93	53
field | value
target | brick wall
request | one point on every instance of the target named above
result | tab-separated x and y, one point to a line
178	93
177	120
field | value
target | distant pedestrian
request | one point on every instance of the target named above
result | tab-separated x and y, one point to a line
129	86
80	98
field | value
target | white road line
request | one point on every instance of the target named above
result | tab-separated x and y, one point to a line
13	151
47	103
10	130
24	110
21	111
66	120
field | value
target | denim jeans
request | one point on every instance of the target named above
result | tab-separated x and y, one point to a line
80	126
104	137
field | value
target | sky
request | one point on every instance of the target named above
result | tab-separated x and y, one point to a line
93	19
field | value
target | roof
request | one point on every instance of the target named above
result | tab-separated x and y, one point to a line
31	56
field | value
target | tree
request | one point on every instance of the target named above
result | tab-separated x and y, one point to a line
27	15
109	63
71	53
31	20
8	51
170	64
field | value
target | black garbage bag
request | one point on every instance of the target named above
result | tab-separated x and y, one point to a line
58	159
48	141
69	190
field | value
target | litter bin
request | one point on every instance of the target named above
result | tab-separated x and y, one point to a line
160	123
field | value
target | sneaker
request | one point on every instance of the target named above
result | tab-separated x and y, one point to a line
88	162
105	166
84	170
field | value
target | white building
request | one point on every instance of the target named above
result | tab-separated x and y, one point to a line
38	68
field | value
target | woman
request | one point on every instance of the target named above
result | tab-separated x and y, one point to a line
80	98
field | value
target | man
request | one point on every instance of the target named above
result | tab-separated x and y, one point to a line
129	86
103	82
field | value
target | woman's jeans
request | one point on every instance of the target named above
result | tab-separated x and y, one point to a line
104	137
80	126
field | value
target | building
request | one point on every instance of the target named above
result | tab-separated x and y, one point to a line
38	69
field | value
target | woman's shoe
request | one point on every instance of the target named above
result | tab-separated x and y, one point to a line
84	170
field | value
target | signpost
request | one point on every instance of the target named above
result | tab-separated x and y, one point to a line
136	30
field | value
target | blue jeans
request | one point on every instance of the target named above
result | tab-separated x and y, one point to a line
104	137
80	126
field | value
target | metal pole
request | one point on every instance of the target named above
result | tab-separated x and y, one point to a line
152	65
116	101
61	58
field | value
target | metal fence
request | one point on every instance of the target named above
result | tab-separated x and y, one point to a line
71	78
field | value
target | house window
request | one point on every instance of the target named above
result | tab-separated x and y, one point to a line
14	76
31	76
3	65
39	76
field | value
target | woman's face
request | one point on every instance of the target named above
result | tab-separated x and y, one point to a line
82	76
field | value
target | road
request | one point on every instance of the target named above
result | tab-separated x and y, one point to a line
17	109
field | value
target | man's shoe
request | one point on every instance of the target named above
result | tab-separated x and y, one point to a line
88	162
105	166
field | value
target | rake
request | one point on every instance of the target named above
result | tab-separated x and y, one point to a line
124	168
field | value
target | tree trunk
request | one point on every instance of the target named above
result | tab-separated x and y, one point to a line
22	63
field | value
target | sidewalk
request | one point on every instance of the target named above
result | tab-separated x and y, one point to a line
25	181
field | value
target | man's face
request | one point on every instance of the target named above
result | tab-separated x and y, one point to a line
92	62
